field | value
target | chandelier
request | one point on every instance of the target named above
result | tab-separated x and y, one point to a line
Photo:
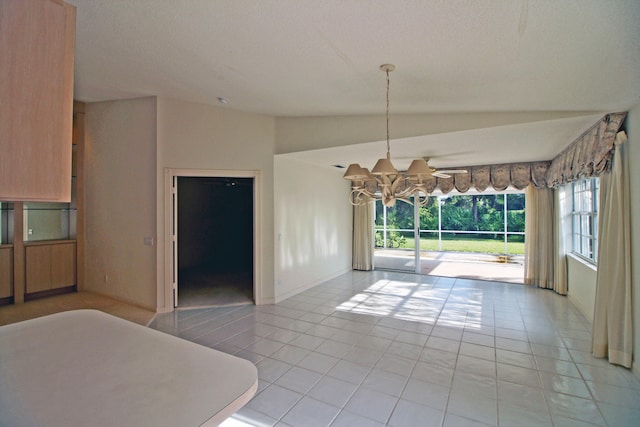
384	182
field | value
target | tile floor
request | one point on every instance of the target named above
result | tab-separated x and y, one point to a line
382	348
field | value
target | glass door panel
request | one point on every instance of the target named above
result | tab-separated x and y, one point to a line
395	240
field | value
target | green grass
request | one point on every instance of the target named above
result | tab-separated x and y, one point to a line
467	245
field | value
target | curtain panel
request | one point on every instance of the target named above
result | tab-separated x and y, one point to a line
612	334
363	237
562	239
539	244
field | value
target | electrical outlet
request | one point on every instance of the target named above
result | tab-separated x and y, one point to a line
106	278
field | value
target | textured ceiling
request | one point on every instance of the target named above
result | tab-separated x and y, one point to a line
321	58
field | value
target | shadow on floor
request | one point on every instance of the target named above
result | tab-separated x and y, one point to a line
74	301
202	287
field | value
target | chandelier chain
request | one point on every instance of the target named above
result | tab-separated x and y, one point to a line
388	146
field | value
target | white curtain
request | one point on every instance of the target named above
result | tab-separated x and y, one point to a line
612	323
362	258
561	237
538	251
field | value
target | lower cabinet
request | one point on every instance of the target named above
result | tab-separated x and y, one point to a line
50	265
6	271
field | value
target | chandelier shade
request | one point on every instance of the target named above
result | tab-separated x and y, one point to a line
355	172
384	167
419	167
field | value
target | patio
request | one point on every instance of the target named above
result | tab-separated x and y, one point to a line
453	264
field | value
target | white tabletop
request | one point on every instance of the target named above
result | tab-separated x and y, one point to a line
87	368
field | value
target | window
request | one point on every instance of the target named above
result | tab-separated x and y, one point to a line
585	218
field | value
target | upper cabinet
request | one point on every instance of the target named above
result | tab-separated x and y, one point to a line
37	39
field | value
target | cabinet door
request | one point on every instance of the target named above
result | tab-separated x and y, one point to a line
38	263
63	265
36	99
6	272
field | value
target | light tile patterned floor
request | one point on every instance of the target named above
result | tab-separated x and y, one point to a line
382	348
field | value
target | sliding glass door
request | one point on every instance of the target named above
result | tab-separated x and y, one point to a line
488	224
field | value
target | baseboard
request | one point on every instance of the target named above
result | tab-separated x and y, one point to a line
307	286
578	304
266	301
121	299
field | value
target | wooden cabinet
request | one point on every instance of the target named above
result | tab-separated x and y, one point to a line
37	39
30	266
50	265
6	271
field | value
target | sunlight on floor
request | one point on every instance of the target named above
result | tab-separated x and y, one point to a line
237	420
422	302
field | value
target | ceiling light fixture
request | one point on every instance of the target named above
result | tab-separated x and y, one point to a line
384	182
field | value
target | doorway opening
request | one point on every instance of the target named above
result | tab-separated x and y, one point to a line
226	230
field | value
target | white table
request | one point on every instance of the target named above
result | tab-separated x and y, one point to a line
88	368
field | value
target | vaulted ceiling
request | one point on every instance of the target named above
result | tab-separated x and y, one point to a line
296	58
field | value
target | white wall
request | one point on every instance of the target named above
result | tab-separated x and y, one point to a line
120	187
632	126
198	136
582	285
313	226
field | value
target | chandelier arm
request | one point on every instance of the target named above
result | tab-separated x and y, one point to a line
358	197
410	190
396	182
384	181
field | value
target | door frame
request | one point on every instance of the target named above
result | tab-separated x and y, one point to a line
171	231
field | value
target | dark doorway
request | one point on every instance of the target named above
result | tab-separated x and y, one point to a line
215	241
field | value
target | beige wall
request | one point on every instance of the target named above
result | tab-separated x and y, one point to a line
198	136
582	285
313	226
310	133
120	185
632	125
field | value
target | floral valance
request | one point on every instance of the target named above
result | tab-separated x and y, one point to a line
589	155
499	177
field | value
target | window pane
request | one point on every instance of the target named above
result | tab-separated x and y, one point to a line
515	244
429	215
515	213
429	241
585	218
398	233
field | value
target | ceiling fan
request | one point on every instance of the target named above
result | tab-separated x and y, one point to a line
443	173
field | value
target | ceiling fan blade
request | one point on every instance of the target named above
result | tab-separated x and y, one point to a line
452	171
439	174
